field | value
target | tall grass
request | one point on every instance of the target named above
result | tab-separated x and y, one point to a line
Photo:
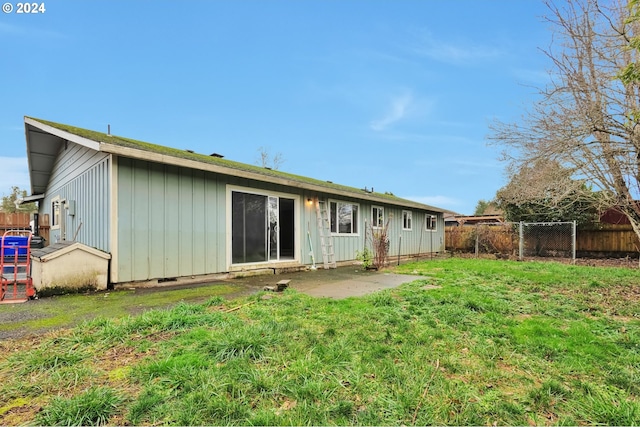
486	342
92	407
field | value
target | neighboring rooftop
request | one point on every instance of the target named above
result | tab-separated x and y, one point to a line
452	219
139	149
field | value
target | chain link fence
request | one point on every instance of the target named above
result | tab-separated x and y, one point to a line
526	239
548	239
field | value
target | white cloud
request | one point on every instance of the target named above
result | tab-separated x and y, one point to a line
403	107
15	172
464	52
396	111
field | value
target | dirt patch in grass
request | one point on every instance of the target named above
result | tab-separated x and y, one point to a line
617	301
42	315
37	317
19	414
26	342
625	262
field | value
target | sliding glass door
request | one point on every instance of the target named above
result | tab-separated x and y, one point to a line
262	228
248	228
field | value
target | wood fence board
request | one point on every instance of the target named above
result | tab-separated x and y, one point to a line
606	238
10	221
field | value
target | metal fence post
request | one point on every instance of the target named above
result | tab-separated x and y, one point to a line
573	242
477	243
521	243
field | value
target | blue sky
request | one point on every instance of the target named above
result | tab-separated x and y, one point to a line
395	95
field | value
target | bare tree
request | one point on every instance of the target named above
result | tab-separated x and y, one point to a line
586	119
267	160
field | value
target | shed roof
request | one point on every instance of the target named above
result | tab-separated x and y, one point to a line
56	250
44	138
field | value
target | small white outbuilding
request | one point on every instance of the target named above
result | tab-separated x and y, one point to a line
69	265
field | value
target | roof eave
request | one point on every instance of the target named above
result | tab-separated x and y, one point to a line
85	142
139	154
209	167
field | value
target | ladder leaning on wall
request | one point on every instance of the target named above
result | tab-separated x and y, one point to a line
324	230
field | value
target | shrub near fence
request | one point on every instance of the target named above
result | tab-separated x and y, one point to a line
598	240
491	238
496	239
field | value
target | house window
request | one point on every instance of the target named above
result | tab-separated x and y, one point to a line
262	227
430	222
55	212
406	220
343	217
377	216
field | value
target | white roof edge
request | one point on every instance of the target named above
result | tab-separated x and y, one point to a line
77	245
89	143
28	199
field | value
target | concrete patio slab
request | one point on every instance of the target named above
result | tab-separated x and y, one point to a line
342	282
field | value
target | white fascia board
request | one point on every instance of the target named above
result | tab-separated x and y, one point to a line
28	199
72	248
94	145
194	164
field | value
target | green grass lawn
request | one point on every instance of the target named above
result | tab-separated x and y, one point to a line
475	342
65	311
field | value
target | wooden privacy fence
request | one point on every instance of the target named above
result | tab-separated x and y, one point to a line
22	220
14	221
591	241
499	237
608	239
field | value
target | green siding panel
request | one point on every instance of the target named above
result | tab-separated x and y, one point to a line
172	223
157	232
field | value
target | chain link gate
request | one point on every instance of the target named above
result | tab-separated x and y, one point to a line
548	239
526	239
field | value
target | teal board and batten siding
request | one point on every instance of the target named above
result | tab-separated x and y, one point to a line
81	177
416	241
172	222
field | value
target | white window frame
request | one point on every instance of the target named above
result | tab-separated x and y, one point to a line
333	217
266	193
431	222
56	213
407	220
379	221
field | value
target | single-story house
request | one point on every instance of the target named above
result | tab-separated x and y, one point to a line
163	213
